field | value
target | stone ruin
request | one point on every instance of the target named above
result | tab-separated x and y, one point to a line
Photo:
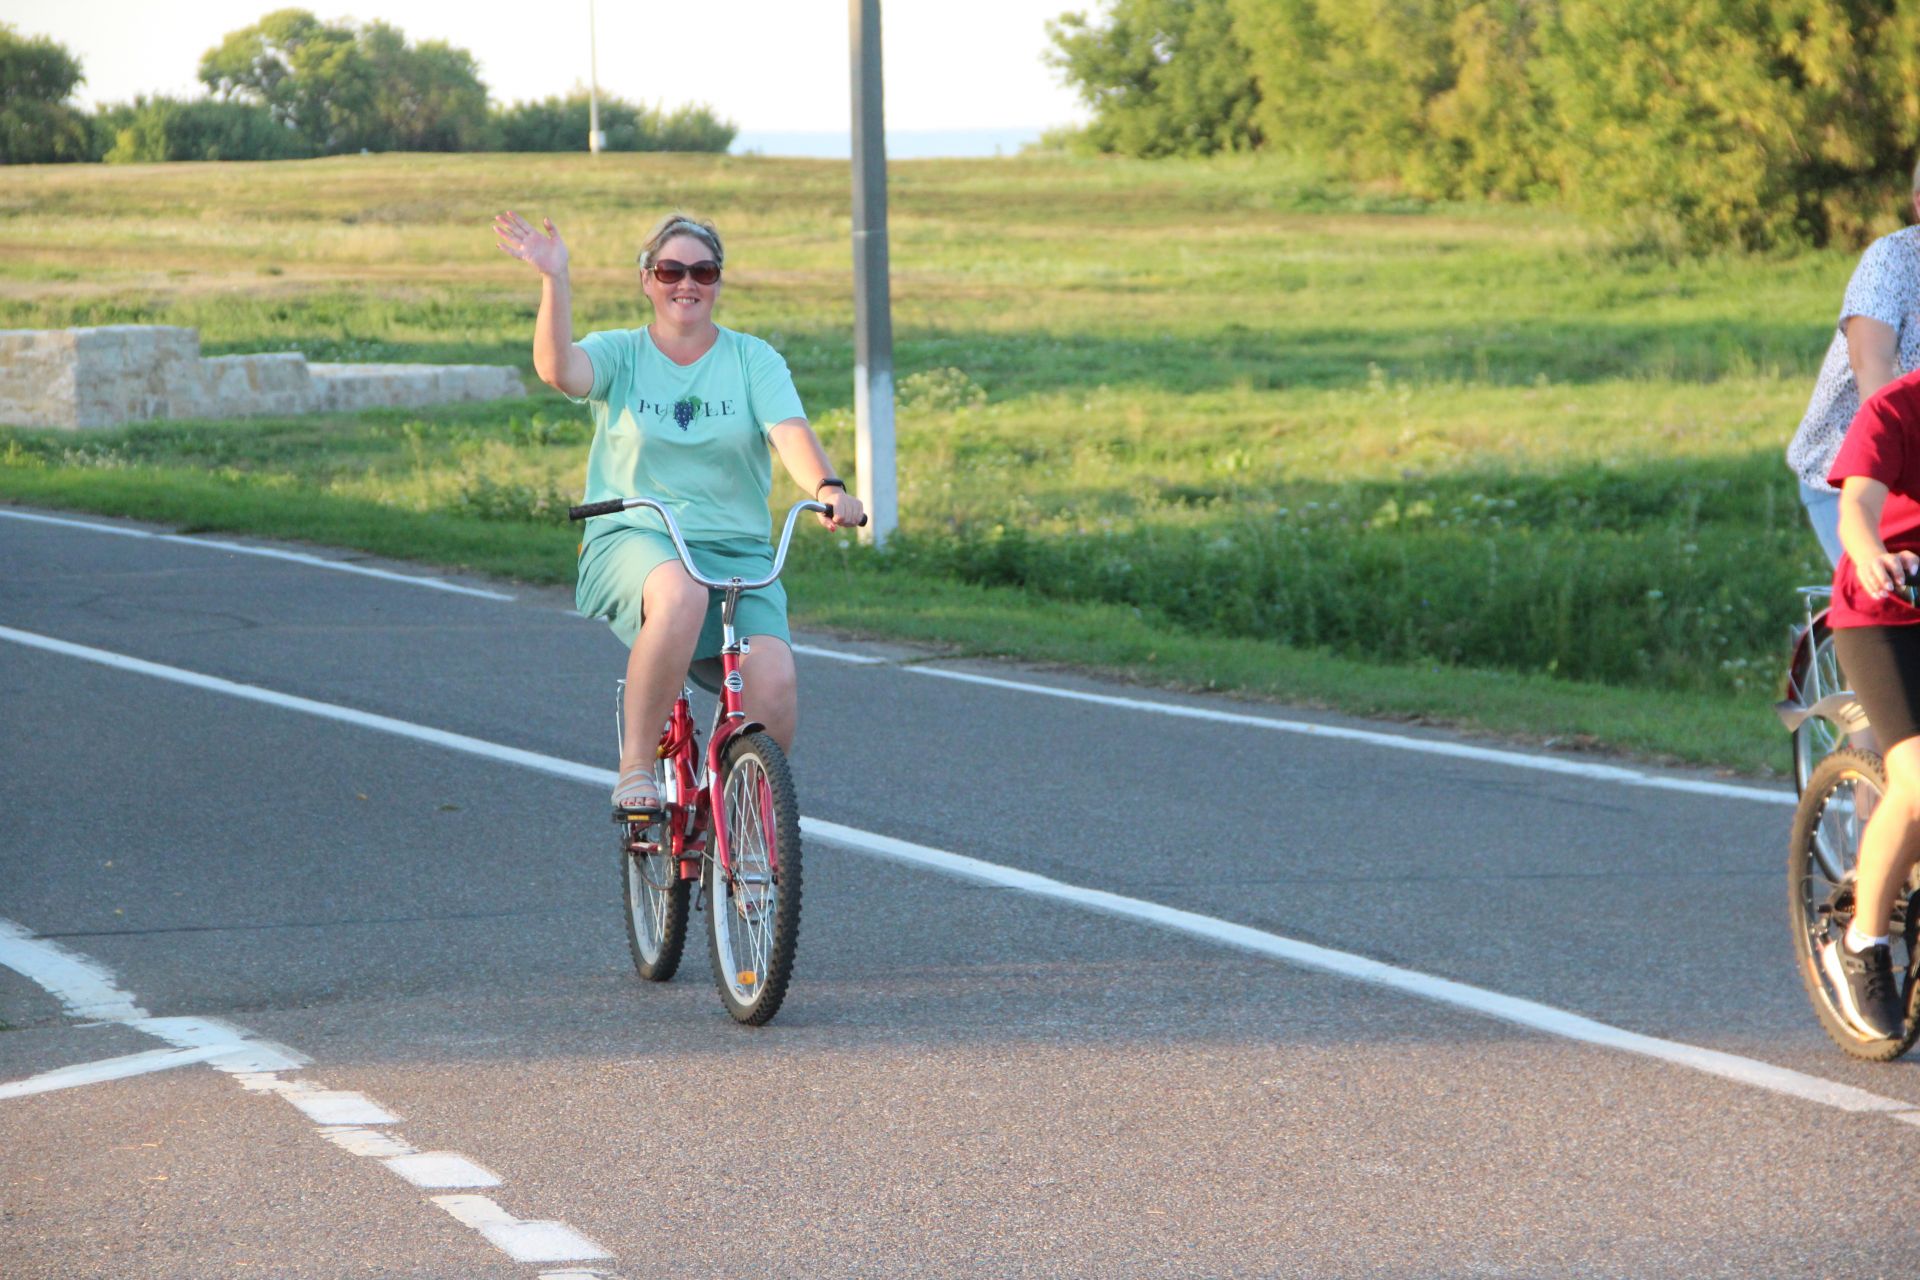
115	374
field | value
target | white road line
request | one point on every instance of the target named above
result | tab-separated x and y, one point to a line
133	1064
87	989
1400	742
1393	741
839	655
271	553
1493	1004
326	710
519	1240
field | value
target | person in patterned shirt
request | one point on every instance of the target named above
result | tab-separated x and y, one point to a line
1878	340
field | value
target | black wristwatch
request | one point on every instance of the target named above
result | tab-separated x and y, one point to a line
830	480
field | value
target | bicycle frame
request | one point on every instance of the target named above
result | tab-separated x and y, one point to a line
696	808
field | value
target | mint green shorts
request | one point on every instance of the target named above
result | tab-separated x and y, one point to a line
614	568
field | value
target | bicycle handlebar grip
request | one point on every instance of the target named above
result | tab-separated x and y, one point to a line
587	511
863	521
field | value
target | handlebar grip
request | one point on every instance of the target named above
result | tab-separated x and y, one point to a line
863	521
587	511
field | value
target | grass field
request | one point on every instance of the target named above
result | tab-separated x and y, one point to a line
1214	424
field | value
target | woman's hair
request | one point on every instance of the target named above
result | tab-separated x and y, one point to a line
681	224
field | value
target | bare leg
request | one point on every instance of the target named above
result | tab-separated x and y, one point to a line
771	688
673	606
1890	842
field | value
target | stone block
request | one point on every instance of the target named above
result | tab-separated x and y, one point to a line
135	372
344	388
37	377
114	374
275	383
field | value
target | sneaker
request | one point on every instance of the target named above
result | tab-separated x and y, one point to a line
1864	985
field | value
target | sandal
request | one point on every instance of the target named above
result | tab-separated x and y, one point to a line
637	794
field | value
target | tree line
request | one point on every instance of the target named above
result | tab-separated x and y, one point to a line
1748	123
291	86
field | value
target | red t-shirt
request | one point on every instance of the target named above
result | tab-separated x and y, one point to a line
1883	444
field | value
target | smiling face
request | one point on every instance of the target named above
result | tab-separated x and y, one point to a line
685	303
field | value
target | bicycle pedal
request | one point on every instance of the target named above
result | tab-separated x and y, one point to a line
645	817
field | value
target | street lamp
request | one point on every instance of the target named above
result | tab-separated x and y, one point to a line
596	139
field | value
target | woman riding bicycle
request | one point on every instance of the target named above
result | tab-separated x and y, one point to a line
683	412
1877	635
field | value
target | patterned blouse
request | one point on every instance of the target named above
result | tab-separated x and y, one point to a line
1885	287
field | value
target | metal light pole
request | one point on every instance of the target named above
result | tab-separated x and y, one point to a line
872	311
596	140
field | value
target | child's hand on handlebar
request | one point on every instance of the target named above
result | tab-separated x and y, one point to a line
847	511
1888	571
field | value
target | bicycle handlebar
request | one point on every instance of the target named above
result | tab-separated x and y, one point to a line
588	510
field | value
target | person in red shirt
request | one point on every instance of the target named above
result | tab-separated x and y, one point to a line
1876	634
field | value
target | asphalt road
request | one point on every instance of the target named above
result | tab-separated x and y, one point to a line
969	1077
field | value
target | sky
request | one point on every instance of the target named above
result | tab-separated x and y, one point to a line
971	71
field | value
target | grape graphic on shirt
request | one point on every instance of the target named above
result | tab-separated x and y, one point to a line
683	411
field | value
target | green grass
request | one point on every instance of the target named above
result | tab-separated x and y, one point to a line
1215	424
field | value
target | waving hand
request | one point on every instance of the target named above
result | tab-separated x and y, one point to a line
545	250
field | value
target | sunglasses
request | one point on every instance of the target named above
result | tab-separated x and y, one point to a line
667	271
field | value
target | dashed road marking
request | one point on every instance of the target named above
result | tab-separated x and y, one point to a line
441	1170
521	1240
87	989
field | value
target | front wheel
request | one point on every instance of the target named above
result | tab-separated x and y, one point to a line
753	909
1822	863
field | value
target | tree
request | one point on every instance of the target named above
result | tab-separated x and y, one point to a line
345	88
1436	95
427	97
37	126
1164	77
1739	122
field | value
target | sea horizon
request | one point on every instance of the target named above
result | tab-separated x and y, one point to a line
902	144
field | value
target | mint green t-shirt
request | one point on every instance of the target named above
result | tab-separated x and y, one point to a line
693	437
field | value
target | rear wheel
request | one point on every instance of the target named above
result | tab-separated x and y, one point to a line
1839	798
753	909
1816	675
655	898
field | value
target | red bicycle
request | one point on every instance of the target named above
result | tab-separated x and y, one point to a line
729	821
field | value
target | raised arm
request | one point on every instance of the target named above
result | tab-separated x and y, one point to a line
557	358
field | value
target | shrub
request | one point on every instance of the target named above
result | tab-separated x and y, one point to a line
156	129
560	124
